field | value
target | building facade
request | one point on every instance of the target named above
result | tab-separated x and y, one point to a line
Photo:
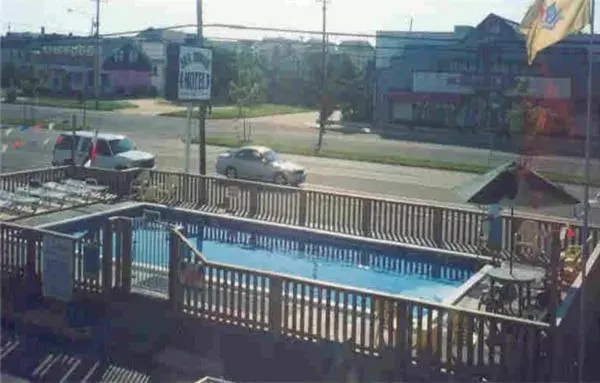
65	64
476	77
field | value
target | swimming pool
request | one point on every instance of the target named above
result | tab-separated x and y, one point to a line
390	268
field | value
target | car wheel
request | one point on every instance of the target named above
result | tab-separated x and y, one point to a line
230	172
280	179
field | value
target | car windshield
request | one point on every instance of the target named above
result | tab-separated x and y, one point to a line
120	146
271	156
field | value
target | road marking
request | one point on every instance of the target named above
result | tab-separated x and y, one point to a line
12	346
76	364
90	372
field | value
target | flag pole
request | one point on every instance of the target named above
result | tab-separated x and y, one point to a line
586	199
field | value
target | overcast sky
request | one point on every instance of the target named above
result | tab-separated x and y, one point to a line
343	15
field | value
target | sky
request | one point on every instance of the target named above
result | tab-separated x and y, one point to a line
348	16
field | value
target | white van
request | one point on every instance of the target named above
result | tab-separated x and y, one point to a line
113	151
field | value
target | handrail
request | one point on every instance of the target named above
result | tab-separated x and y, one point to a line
349	289
186	242
593	260
379	294
37	230
25	172
374	241
422	203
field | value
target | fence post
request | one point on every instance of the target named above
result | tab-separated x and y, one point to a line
303	207
184	189
174	257
32	281
203	190
107	257
367	217
437	226
127	230
253	208
275	301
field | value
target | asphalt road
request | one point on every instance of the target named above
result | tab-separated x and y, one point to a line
288	130
396	182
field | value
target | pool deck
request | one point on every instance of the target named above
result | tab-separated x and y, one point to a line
471	300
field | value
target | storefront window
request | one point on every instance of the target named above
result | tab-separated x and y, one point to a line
436	113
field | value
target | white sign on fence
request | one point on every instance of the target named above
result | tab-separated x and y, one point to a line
195	67
57	267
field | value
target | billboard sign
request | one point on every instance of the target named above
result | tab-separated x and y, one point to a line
189	73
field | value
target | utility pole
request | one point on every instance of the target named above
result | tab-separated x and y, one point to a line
322	117
202	106
97	58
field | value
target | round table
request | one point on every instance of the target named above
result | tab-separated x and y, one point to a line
521	279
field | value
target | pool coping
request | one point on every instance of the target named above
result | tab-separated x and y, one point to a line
454	297
356	290
112	212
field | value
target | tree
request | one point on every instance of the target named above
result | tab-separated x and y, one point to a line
223	73
247	88
11	77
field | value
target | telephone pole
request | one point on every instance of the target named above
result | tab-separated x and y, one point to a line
97	58
322	116
202	105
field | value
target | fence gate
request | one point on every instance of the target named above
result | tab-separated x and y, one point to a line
150	255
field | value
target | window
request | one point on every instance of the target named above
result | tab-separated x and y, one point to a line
120	146
248	155
102	148
86	145
65	142
271	156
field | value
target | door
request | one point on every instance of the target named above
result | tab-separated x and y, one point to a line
249	164
83	151
104	156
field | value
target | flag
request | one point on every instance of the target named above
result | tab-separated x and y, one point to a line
547	22
51	126
4	148
23	128
17	144
94	150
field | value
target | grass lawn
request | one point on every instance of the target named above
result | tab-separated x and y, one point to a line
388	159
231	112
104	105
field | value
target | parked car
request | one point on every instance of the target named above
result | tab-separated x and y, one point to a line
113	151
259	163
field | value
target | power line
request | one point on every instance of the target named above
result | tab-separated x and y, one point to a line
389	36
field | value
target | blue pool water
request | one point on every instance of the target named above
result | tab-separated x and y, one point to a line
344	264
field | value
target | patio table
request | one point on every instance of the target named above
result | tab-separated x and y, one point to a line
520	279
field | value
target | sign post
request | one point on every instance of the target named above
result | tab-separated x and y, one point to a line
188	138
189	76
57	267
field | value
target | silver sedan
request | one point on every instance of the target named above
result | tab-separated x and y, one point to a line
259	163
